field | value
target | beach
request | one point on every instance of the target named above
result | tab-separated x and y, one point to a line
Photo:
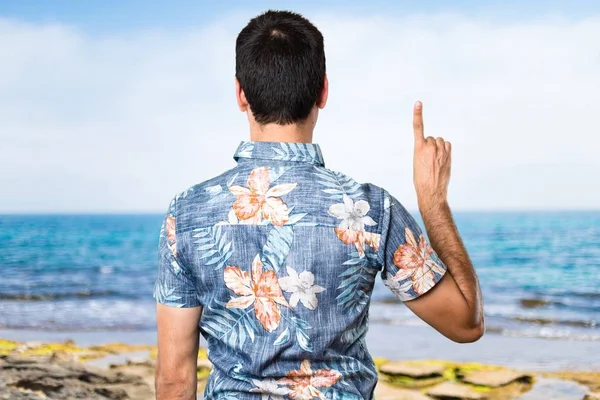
399	343
86	280
121	365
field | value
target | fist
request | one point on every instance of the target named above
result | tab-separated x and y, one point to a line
431	165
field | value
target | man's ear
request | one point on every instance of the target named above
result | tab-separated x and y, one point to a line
240	96
322	99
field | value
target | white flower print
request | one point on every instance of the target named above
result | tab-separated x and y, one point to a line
270	389
302	288
353	214
231	217
352	228
399	290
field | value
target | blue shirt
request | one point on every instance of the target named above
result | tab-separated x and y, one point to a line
282	254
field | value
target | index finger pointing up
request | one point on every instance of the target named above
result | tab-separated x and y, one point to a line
418	123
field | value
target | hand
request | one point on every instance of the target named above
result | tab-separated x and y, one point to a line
432	159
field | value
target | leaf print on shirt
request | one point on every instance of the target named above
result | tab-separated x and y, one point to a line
260	288
214	245
357	281
258	202
216	384
302	288
415	262
277	248
352	228
269	389
337	184
231	325
165	295
300	327
297	152
171	236
304	383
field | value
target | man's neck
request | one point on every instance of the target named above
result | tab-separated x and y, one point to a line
298	133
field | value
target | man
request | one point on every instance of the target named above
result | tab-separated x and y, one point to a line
279	254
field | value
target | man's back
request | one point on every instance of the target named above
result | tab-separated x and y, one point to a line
282	255
274	261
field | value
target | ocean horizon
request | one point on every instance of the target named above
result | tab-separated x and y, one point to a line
95	271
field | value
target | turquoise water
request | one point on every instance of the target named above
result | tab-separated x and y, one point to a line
540	273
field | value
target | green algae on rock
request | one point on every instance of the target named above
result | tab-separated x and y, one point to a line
409	380
436	376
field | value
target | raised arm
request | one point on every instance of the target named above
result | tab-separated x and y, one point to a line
454	306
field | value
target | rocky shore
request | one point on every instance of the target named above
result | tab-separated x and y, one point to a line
35	370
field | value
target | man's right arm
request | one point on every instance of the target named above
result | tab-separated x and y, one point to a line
454	306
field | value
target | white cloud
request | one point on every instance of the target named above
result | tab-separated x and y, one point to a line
121	123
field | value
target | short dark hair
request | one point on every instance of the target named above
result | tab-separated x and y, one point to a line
280	64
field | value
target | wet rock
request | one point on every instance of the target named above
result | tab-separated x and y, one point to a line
554	321
495	378
454	391
589	379
58	356
414	370
7	346
39	377
384	391
141	361
15	394
592	396
119	348
555	389
136	362
533	303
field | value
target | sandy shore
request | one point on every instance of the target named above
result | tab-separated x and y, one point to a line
36	365
402	343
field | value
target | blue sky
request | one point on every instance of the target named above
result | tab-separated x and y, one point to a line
115	106
118	15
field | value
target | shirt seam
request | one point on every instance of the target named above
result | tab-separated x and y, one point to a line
382	219
186	230
314	162
185	267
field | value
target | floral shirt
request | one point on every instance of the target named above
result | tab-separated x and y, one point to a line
282	255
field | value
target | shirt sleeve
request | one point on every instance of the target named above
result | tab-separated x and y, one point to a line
175	286
410	266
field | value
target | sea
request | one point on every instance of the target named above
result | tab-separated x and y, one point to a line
539	273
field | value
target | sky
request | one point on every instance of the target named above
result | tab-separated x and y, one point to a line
111	106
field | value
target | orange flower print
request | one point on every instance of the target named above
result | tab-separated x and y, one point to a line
171	236
261	289
257	201
304	383
373	240
415	262
352	228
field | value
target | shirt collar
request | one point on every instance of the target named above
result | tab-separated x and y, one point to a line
281	151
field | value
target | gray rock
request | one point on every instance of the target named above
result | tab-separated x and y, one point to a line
555	389
412	370
495	378
39	377
454	391
384	391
